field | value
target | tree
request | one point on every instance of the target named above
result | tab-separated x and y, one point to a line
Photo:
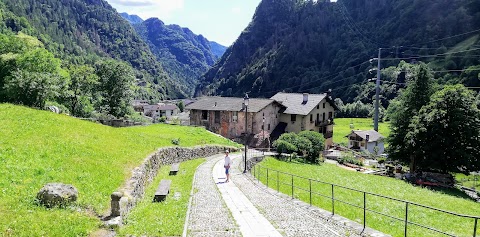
317	144
445	136
181	106
32	78
80	89
417	94
115	82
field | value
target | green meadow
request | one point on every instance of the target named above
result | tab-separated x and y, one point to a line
342	128
39	147
449	200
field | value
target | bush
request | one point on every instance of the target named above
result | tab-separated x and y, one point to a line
317	142
350	159
162	119
284	146
176	141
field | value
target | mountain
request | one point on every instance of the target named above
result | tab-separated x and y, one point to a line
85	31
312	46
184	55
133	19
217	49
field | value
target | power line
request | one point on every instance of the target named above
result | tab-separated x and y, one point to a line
321	79
449	37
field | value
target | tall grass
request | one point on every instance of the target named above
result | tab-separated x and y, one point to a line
379	185
39	147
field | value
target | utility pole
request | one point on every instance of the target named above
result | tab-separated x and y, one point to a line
377	91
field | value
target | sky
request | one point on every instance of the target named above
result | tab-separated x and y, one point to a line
221	21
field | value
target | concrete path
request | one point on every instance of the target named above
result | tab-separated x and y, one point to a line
249	219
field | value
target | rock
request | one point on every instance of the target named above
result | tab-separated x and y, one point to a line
57	194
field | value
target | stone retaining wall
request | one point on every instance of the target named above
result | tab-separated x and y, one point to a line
125	199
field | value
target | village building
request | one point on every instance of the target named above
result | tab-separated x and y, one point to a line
138	105
161	110
307	112
226	115
366	141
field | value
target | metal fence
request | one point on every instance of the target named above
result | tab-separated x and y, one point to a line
271	178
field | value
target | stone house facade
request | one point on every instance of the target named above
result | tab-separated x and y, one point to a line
284	112
308	112
226	115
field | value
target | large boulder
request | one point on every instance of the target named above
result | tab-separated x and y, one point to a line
57	194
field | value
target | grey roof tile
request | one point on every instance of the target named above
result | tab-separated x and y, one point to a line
373	135
294	102
216	103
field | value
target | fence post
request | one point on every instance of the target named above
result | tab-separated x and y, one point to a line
267	177
310	183
333	202
292	186
406	219
364	209
254	168
475	228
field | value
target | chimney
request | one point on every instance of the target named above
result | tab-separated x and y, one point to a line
367	138
305	98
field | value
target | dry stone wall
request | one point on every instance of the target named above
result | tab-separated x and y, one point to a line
123	200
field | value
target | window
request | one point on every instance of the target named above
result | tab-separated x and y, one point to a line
293	117
263	127
318	117
204	114
318	106
324	105
268	127
330	115
323	117
234	116
217	116
376	143
311	117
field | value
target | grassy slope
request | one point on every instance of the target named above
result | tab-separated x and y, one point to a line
38	147
165	218
342	128
379	185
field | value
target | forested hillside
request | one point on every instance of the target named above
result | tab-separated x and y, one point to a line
311	46
184	55
83	32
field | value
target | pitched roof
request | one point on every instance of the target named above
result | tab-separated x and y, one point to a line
294	102
216	103
373	135
167	107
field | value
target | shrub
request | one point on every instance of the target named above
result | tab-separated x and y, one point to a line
284	146
176	141
317	142
162	119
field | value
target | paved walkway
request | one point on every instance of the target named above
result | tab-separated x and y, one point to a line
251	222
242	207
208	215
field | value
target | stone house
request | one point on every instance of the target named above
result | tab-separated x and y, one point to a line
161	110
366	141
226	115
307	112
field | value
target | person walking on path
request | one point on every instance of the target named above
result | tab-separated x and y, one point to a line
228	163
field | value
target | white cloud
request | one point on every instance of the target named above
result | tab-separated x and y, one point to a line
162	9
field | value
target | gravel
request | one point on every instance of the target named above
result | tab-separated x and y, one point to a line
208	214
289	218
